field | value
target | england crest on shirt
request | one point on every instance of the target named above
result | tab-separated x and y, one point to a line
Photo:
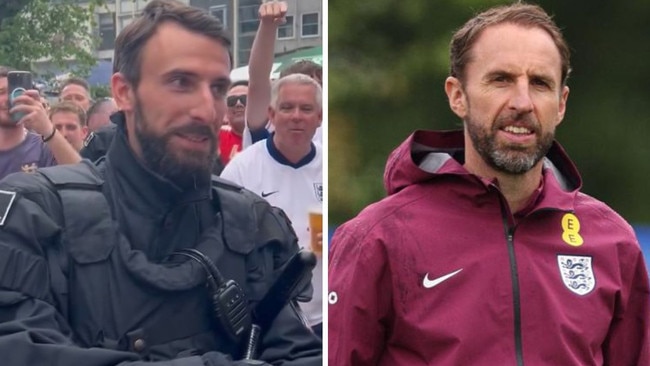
318	190
577	273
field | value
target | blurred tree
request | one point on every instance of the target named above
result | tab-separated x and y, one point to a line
388	60
100	91
36	29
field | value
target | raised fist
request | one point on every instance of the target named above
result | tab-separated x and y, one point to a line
273	11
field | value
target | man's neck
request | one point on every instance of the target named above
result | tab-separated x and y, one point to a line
516	188
293	153
11	136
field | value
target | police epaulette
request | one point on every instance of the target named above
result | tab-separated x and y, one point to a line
226	184
74	176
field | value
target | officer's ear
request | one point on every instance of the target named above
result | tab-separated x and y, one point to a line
123	92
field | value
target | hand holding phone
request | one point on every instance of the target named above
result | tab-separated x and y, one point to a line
33	115
18	82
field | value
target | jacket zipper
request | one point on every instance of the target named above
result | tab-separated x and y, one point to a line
514	276
515	296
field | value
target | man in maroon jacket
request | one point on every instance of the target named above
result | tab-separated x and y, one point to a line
486	252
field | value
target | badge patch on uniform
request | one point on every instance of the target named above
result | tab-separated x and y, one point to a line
577	273
89	138
318	190
6	200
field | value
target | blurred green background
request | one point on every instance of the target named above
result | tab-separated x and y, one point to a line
388	60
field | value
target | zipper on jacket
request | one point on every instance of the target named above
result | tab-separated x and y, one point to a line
514	276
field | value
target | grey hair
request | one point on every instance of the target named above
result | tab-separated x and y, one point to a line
299	79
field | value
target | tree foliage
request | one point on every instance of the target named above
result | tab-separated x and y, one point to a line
60	30
100	91
388	60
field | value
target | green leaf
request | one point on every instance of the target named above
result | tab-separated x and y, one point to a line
36	30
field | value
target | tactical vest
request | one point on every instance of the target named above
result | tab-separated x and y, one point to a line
79	188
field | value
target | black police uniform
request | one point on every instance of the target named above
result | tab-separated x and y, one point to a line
97	142
79	288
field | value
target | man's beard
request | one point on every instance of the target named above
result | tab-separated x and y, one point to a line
507	158
186	169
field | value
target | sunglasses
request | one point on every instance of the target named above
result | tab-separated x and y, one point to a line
231	101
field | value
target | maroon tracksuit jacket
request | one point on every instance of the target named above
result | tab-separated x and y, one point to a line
442	273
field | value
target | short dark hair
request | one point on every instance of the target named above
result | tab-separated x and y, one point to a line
525	15
69	107
131	40
73	80
305	67
97	105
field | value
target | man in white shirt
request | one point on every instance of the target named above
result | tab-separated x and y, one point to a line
286	169
272	14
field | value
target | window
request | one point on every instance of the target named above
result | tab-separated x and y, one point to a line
125	20
246	28
219	12
310	25
248	20
245	45
286	30
244	57
107	31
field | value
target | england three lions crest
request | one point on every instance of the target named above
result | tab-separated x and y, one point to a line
318	191
577	273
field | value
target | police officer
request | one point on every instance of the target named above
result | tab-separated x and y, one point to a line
97	142
89	266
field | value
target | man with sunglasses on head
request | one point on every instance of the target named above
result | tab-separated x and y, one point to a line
230	136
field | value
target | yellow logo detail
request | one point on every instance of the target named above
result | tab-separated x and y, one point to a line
571	233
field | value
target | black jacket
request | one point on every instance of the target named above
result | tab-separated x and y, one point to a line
78	289
97	142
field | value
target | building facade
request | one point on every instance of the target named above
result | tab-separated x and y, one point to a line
304	26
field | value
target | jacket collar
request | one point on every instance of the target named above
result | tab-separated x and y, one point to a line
429	155
145	188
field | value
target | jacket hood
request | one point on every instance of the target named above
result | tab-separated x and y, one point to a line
427	155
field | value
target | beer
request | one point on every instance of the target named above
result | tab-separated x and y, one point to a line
315	228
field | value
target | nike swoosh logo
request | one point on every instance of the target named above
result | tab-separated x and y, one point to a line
264	194
427	283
